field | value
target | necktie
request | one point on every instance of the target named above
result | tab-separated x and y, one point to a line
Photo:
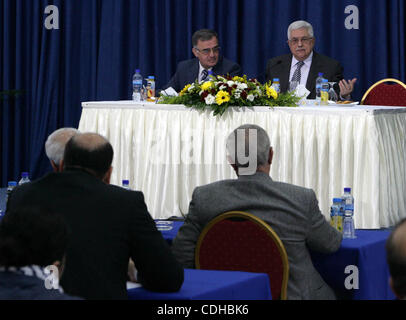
296	75
204	75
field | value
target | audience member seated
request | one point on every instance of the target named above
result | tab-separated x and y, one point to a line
55	146
396	257
30	241
291	211
109	225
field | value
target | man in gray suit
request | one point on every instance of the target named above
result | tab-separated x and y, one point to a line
292	212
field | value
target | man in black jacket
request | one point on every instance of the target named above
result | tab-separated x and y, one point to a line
207	52
108	225
303	64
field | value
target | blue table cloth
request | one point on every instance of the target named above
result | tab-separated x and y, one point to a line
367	253
213	285
169	235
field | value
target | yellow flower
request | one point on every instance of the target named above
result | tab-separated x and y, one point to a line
207	85
184	90
271	92
222	96
239	79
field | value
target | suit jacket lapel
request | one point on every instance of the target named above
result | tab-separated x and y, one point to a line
313	73
193	73
285	72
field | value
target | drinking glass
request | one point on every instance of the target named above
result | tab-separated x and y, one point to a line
332	95
348	228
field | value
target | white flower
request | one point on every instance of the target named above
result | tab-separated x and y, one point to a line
237	94
222	87
210	99
242	86
230	83
250	97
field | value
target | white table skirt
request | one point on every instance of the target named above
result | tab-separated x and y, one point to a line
167	150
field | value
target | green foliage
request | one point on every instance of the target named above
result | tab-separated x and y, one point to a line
221	93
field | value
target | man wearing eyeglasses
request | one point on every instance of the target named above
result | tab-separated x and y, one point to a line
303	64
208	58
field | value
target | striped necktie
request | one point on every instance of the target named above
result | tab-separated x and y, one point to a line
204	75
296	75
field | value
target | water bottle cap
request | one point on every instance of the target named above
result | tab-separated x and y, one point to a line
337	200
320	74
137	70
151	77
12	183
347	189
24	174
275	79
126	181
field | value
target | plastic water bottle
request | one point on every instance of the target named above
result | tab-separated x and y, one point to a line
335	212
126	184
319	80
10	186
348	223
276	85
24	178
324	92
151	88
137	86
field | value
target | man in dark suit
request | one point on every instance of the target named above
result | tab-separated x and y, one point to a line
303	64
207	52
292	212
108	225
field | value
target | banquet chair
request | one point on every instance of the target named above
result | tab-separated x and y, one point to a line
240	241
382	93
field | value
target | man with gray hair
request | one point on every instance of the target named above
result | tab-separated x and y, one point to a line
208	58
304	64
55	146
292	211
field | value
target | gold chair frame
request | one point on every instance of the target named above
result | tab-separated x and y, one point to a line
270	232
378	83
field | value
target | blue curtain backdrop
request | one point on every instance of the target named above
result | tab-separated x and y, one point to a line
99	43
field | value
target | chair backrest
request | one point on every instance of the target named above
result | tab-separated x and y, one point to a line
240	241
384	94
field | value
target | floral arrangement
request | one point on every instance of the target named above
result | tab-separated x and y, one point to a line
222	92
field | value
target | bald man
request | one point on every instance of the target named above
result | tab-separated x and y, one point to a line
108	224
396	257
55	146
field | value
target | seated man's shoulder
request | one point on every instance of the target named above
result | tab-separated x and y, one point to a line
187	63
296	190
279	58
326	59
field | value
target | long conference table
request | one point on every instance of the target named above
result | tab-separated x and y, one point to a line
167	150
